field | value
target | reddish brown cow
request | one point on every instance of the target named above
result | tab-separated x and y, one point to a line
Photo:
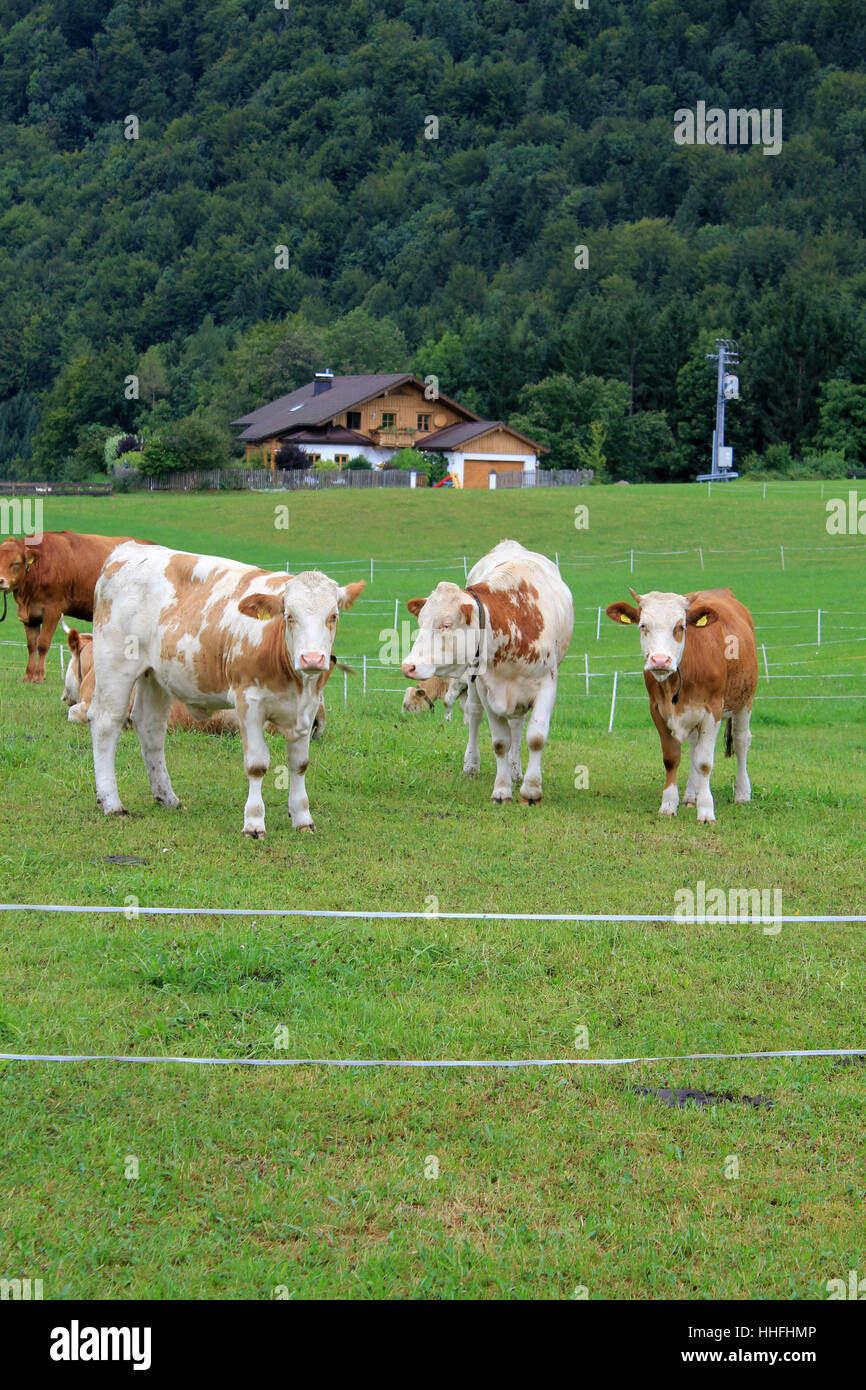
57	575
700	668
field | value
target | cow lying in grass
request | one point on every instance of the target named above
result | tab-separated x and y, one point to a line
700	667
48	578
78	693
424	696
214	634
508	629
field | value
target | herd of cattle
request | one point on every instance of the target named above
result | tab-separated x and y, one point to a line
182	640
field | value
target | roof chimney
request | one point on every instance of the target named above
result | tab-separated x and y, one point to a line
322	382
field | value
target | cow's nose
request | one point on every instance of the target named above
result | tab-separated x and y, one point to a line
313	661
408	668
660	661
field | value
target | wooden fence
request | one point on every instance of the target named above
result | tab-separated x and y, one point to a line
546	477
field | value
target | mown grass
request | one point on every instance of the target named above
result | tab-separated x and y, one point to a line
314	1180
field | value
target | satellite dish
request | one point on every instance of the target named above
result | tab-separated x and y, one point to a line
440	420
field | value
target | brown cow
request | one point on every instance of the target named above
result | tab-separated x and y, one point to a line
48	578
700	667
78	693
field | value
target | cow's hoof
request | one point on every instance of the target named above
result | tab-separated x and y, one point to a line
530	800
671	815
500	798
255	834
309	829
742	800
471	770
113	810
706	820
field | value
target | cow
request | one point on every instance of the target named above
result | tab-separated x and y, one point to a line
214	634
508	628
78	693
48	578
425	694
700	667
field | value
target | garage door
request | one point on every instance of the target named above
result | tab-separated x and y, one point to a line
476	472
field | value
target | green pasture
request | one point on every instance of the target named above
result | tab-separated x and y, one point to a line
448	1184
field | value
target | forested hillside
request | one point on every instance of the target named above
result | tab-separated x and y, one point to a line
305	127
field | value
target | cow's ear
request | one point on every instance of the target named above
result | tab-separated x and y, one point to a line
623	613
702	616
261	606
350	594
467	609
30	557
73	640
415	605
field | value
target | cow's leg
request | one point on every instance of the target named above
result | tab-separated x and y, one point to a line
257	758
671	754
31	632
537	729
319	721
691	793
742	742
704	755
50	619
149	718
298	751
516	725
501	735
474	711
107	715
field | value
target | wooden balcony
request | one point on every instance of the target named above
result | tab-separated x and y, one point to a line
396	437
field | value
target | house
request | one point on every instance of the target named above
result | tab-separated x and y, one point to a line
342	417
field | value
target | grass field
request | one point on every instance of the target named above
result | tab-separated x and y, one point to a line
321	1182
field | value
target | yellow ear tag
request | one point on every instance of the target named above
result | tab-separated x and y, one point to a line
624	618
702	622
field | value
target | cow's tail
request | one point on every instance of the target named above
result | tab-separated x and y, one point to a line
729	737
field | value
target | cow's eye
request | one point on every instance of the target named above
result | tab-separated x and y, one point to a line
290	618
445	627
678	632
643	627
333	618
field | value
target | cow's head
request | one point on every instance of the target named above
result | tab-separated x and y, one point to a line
662	620
416	699
16	561
81	661
447	642
309	606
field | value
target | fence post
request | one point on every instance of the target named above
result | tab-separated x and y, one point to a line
613	702
371	569
819	627
586	668
631	566
598	627
782	553
701	554
364	686
465	568
766	667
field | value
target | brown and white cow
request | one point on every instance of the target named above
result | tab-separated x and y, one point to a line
510	625
424	696
700	667
48	578
80	680
213	634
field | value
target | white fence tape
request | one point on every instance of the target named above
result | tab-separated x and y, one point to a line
378	915
510	1063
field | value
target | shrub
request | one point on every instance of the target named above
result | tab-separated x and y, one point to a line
358	462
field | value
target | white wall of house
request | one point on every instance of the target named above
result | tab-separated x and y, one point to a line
330	451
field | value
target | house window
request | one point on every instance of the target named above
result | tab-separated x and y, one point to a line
423	422
341	460
315	458
389	420
353	419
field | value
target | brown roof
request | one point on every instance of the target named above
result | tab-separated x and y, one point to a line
452	436
326	434
304	408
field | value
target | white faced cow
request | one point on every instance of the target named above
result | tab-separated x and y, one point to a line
214	634
700	667
510	625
